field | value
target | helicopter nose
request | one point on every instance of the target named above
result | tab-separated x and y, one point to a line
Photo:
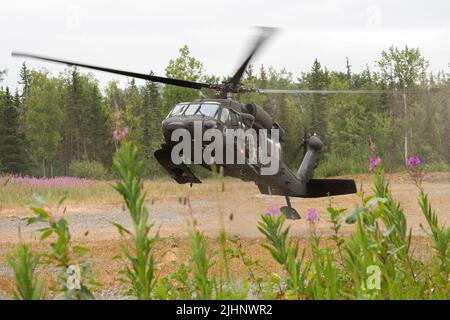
209	124
189	125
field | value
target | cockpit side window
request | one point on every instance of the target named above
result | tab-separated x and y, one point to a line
233	119
224	116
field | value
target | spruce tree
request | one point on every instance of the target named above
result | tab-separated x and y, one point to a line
25	81
72	142
349	73
151	125
262	78
2	75
318	80
446	122
133	112
13	156
99	147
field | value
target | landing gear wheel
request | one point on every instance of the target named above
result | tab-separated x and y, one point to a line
290	213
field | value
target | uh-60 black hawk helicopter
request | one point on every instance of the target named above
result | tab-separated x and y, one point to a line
223	112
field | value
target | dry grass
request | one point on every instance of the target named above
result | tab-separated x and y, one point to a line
14	197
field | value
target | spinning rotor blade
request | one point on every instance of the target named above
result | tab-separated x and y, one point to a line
174	82
266	33
306	91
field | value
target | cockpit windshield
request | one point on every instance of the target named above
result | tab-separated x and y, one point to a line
178	109
191	109
206	109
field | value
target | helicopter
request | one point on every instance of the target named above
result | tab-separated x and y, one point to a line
224	113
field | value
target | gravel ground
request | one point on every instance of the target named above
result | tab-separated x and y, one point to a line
239	209
14	228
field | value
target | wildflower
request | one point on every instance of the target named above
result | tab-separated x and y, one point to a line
415	172
374	159
374	162
56	182
312	215
413	161
273	211
120	134
117	135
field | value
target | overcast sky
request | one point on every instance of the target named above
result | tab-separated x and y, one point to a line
141	35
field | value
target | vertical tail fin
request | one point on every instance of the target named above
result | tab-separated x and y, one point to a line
306	170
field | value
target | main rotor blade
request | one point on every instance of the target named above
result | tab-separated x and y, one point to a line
266	33
306	91
174	82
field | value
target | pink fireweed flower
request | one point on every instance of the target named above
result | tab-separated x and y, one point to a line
374	162
273	211
56	182
312	215
413	161
116	134
415	171
120	134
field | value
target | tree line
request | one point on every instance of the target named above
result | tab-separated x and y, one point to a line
52	122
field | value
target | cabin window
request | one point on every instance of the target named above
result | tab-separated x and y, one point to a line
232	119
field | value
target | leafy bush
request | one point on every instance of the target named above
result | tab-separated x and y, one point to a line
74	275
333	166
438	166
374	263
24	262
139	271
88	169
285	253
201	265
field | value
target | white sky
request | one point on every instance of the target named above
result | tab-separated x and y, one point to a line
140	36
